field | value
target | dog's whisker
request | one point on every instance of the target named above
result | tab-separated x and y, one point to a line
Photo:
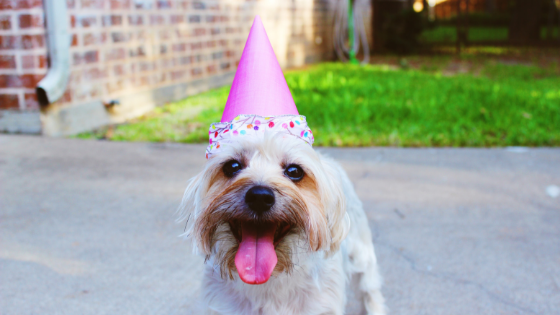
186	223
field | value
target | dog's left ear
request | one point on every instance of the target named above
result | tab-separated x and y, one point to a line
331	189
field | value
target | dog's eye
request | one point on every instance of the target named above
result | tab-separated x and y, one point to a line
231	168
294	172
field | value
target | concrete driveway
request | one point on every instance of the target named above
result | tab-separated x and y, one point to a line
87	227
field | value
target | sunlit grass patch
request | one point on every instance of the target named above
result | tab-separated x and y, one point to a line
346	105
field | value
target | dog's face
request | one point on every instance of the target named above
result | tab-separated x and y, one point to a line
261	202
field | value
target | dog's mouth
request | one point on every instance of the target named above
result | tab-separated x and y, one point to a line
256	256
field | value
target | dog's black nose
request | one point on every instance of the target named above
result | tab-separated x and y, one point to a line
259	199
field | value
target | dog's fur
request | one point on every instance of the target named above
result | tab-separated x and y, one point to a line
327	250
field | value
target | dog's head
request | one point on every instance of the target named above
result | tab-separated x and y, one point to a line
260	203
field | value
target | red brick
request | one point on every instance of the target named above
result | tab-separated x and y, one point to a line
164	4
112	20
76	58
157	20
199	5
119	70
91	56
183	5
7	62
20	4
30	21
115	54
146	66
74	40
135	20
138	52
17	81
86	21
185	60
93	4
87	57
32	41
5	22
95	73
196	71
120	4
9	101
199	31
175	75
28	61
94	39
211	69
9	42
43	61
29	4
31	101
179	47
177	19
194	19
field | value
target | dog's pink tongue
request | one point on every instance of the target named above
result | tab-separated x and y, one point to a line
256	258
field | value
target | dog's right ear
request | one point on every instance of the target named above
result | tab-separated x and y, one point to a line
191	204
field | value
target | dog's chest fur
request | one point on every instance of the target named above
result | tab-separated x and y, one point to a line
315	286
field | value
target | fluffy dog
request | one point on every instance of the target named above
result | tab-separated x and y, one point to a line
282	230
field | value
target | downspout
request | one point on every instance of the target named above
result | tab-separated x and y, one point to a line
53	85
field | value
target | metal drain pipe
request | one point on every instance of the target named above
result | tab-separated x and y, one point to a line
53	85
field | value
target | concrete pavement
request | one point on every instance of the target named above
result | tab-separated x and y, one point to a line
87	227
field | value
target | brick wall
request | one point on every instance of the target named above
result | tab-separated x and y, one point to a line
142	53
23	60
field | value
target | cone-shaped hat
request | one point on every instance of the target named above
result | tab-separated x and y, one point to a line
259	86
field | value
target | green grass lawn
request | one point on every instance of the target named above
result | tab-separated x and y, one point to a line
476	33
346	105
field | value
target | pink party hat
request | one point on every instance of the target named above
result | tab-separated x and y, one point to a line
259	87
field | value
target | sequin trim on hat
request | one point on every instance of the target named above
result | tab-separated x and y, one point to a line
223	134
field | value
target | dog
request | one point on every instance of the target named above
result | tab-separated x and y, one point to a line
282	230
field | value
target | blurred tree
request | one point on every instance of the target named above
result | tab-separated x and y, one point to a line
383	10
490	6
525	21
402	30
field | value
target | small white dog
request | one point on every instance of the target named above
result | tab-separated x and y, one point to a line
283	231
